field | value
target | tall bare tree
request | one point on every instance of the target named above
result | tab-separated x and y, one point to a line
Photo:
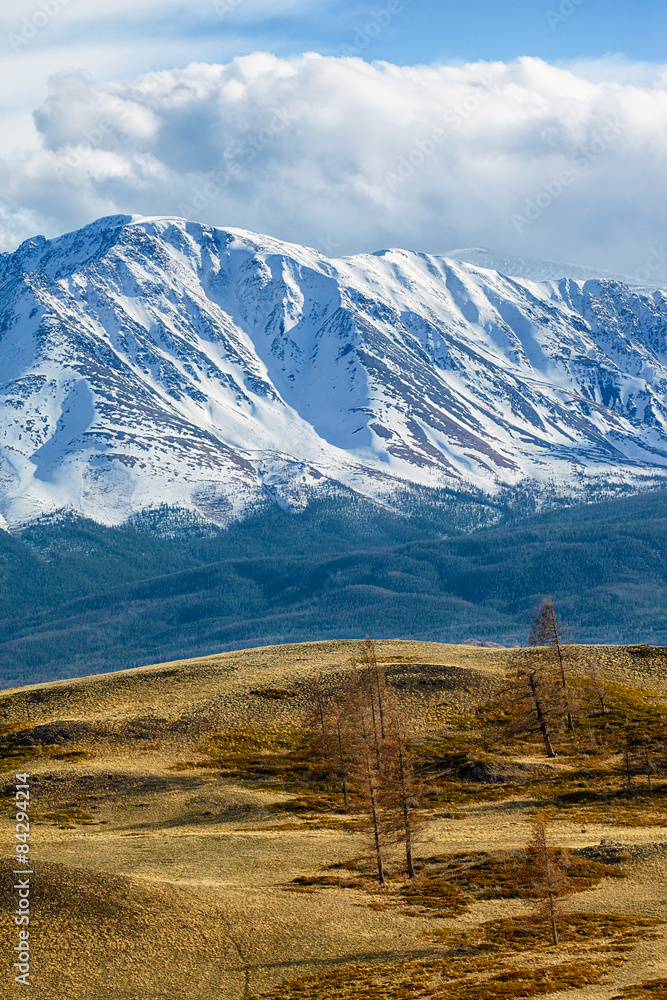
369	781
531	699
342	760
376	675
629	739
362	722
320	725
598	685
399	787
637	749
321	707
548	630
540	877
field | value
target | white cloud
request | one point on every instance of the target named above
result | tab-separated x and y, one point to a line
527	158
617	69
119	39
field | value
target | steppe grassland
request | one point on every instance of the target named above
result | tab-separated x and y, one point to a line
158	876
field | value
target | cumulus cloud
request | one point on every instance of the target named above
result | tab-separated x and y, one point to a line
527	158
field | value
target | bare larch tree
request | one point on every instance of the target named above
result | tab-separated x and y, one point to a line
548	630
374	755
368	779
540	877
531	699
399	788
598	685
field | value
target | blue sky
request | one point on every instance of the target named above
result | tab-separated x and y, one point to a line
424	31
116	38
103	111
468	30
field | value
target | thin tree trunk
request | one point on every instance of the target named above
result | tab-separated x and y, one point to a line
325	735
375	731
552	917
540	717
406	812
570	724
648	770
627	768
374	813
376	831
602	694
547	876
377	679
343	770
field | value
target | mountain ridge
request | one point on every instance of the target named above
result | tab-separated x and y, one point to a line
150	360
78	598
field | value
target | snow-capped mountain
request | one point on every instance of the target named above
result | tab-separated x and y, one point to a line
157	360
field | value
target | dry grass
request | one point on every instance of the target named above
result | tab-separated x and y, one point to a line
94	935
175	804
449	885
66	819
441	979
593	943
579	933
650	989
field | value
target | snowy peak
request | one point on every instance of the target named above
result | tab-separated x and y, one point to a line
159	360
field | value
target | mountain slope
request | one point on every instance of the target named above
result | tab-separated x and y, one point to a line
77	598
157	360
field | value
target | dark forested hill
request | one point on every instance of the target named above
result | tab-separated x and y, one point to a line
76	597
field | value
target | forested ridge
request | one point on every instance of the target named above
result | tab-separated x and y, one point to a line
77	597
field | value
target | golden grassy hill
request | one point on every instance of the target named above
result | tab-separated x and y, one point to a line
182	848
